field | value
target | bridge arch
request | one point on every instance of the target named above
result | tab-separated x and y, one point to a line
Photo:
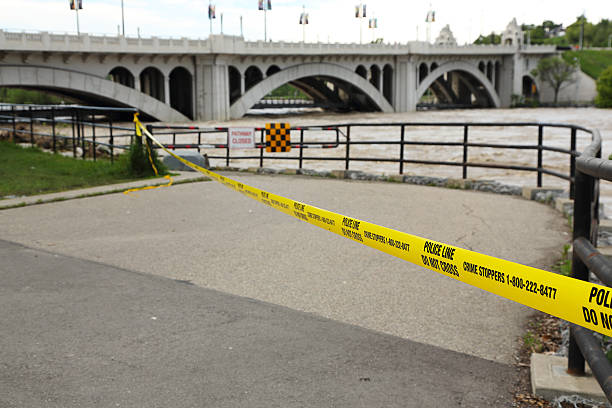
375	76
296	72
388	83
530	88
423	72
122	76
152	83
181	91
273	69
460	66
235	83
361	71
252	76
86	86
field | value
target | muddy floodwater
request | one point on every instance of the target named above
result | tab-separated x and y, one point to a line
555	137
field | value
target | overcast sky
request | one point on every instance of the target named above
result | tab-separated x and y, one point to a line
330	20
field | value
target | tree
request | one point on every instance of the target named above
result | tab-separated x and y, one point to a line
556	72
489	39
604	89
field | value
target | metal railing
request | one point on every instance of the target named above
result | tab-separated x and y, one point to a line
89	127
343	139
590	169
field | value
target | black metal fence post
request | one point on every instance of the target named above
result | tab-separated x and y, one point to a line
111	140
81	134
14	123
465	150
54	137
93	134
261	150
73	120
227	151
348	146
31	126
540	141
401	164
572	163
582	228
301	147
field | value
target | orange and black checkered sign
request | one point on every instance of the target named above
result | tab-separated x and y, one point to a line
278	137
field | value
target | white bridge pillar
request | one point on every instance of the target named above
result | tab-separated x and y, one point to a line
212	88
405	85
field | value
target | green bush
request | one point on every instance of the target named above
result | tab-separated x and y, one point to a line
138	161
604	89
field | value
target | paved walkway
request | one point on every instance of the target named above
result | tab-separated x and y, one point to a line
209	235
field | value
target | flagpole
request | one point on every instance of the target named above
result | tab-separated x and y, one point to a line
76	8
265	22
303	24
122	19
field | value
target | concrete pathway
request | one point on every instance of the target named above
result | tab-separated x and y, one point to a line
77	333
209	235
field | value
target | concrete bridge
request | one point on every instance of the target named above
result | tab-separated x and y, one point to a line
223	76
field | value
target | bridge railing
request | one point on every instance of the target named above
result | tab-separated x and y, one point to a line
348	144
83	130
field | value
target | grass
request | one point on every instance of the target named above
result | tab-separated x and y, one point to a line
564	265
592	62
30	171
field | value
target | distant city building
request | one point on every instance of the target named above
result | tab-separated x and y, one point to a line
513	34
446	37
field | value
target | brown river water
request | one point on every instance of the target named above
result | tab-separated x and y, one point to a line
586	117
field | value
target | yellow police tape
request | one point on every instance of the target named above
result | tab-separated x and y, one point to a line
167	177
584	303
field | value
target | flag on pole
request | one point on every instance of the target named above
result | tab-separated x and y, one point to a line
260	4
304	18
360	11
211	12
373	23
431	17
269	4
80	4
